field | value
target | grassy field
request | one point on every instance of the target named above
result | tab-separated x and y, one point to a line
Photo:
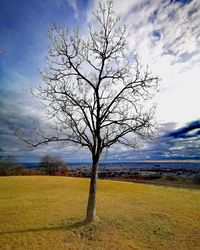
47	213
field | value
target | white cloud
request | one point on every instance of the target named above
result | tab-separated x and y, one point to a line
73	5
166	36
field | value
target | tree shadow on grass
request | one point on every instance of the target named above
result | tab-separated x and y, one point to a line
43	229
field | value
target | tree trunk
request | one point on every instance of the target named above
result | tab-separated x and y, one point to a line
91	207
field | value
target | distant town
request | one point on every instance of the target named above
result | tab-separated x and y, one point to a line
179	173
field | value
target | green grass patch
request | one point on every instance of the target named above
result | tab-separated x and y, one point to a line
44	212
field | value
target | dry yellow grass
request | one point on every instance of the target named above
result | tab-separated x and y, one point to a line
46	213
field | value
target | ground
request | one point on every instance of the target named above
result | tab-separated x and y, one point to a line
41	212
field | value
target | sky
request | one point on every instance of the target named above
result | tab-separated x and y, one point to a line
164	34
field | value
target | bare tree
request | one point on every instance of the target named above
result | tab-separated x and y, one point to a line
53	165
7	165
93	94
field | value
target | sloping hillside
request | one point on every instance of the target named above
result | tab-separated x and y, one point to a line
47	213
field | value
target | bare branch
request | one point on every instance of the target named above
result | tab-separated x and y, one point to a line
92	93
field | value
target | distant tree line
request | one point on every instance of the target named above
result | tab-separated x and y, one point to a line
49	165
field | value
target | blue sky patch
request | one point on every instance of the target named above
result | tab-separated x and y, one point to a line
153	16
156	34
183	2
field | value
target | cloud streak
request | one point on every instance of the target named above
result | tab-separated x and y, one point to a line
182	143
73	4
